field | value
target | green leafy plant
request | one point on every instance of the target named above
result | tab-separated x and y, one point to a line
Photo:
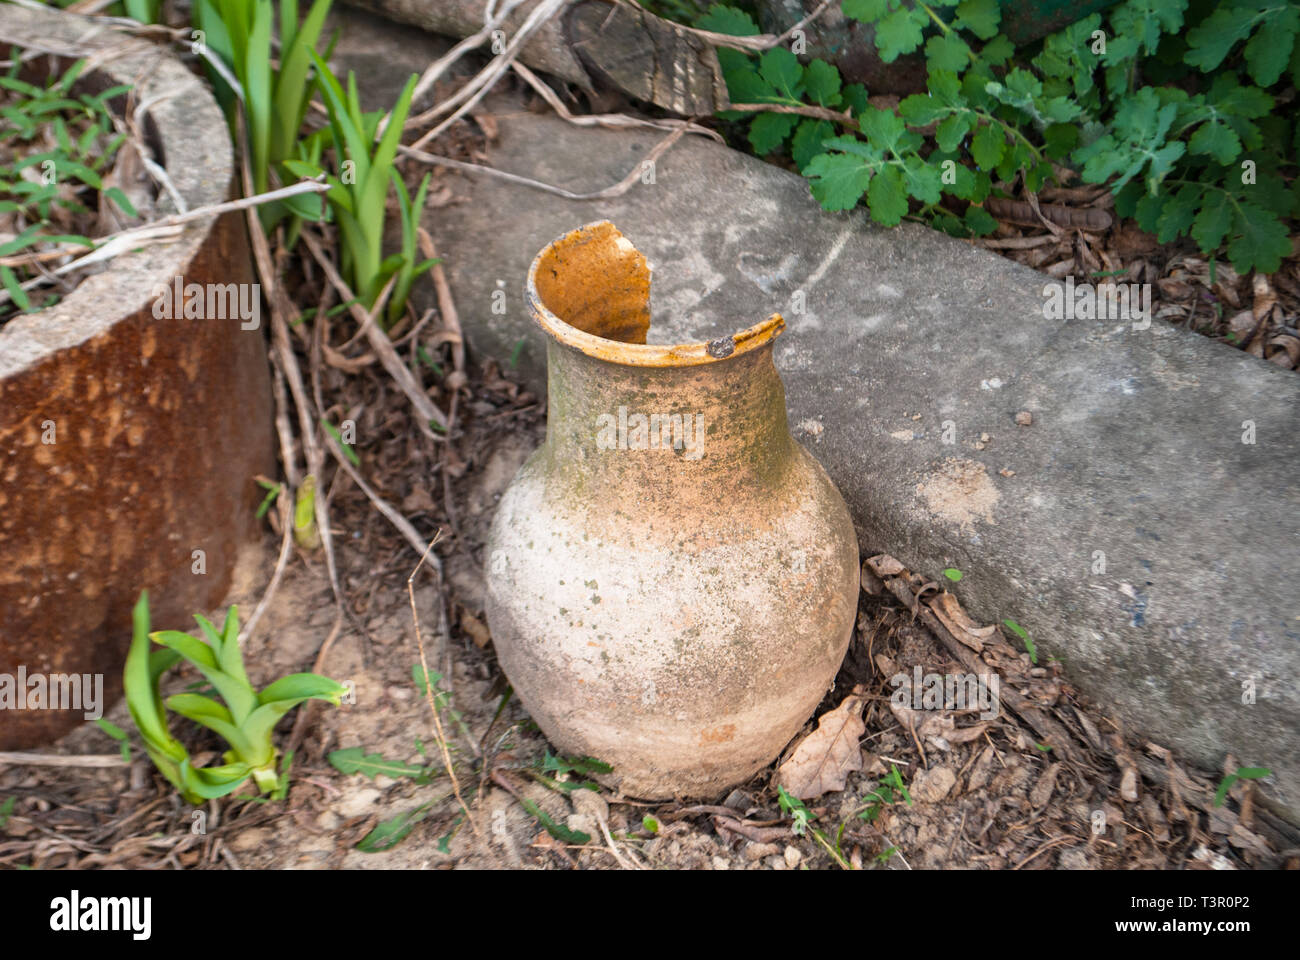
1243	773
56	147
6	811
356	760
117	733
557	830
359	189
275	97
888	792
245	720
272	491
1023	634
550	768
389	833
801	825
1168	102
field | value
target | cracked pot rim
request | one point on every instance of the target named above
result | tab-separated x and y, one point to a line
636	354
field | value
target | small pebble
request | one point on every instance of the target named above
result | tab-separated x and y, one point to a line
1024	418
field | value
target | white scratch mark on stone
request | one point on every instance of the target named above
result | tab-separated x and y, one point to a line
831	256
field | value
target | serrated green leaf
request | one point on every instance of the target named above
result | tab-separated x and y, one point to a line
980	17
920	109
867	11
822	83
980	221
837	180
950	133
586	766
1260	240
1149	210
1217	139
1213	220
1178	213
809	140
1269	50
887	197
729	20
769	130
921	179
390	832
1212	39
900	32
947	51
356	760
746	86
1059	139
781	68
988	146
1146	20
854	96
882	128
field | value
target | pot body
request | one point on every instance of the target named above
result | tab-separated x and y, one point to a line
672	579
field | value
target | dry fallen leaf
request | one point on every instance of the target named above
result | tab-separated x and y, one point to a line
931	786
475	629
885	566
1042	791
962	627
822	761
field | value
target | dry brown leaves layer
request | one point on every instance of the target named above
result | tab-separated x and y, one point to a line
1072	231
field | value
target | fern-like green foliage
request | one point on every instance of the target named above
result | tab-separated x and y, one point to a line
1172	103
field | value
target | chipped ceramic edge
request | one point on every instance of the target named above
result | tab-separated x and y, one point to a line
759	335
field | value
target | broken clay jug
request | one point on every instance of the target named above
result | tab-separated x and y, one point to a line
672	580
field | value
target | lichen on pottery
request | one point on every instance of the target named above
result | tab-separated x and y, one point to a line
672	579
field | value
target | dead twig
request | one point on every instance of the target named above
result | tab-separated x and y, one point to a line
611	120
102	760
617	190
380	344
477	88
441	734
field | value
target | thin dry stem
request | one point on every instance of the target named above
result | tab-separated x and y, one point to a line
441	734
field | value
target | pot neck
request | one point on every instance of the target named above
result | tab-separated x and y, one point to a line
648	433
